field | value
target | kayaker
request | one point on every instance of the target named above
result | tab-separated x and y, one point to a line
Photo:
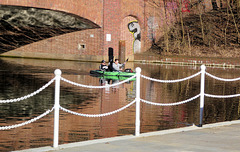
103	66
117	66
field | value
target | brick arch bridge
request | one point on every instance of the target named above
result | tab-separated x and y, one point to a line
81	29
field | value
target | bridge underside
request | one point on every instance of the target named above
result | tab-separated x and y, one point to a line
20	26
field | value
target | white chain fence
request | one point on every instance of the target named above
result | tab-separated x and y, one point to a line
97	115
97	87
222	79
112	85
29	95
26	122
170	104
222	96
171	81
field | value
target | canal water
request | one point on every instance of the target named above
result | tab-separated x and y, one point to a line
19	77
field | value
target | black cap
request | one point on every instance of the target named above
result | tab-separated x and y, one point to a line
103	61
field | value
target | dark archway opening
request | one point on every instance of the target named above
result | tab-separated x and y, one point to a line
20	26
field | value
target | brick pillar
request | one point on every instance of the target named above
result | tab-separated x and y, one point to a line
122	51
111	25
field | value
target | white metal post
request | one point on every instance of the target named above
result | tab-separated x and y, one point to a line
203	68
57	73
137	122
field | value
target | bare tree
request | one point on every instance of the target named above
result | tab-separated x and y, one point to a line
234	20
214	4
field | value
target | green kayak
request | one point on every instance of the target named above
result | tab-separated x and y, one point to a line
114	73
113	77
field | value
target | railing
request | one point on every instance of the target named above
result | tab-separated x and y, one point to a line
137	100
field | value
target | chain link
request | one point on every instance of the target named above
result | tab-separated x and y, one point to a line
170	81
29	95
222	79
171	104
97	115
27	122
96	87
222	96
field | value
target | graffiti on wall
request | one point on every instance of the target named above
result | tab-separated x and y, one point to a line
185	7
134	28
171	10
173	6
152	26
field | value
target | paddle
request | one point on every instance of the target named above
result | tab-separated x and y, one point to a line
126	61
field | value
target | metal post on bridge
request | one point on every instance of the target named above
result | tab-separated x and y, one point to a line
203	68
57	73
137	122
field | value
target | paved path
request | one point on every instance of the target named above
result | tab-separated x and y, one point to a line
219	137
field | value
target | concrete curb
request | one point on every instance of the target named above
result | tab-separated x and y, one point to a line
155	133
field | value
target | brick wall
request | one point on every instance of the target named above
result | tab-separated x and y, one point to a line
81	45
112	16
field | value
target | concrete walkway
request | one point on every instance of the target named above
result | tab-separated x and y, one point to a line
219	137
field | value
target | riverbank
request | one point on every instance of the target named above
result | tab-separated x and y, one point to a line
148	57
223	136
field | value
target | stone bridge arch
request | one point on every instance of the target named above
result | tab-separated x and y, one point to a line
88	9
54	29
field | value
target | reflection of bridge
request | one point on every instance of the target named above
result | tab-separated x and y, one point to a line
81	29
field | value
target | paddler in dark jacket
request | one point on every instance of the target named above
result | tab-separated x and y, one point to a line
103	66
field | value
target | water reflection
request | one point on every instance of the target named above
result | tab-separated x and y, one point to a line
20	77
